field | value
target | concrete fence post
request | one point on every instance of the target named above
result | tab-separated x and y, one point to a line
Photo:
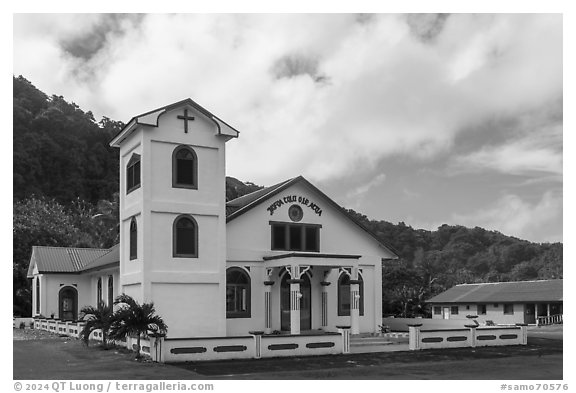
472	326
523	333
257	343
156	347
414	336
345	332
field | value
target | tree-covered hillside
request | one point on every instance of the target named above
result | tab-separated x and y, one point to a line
66	194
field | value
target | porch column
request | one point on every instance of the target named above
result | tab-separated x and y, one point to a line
548	309
354	302
295	296
325	285
536	313
268	306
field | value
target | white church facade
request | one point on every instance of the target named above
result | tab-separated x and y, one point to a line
284	259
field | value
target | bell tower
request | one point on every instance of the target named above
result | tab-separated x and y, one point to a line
173	216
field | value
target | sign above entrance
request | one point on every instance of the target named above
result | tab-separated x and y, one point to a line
291	199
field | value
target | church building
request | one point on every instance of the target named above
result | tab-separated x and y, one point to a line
283	259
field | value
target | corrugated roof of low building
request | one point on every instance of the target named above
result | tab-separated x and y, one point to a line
63	259
515	291
111	257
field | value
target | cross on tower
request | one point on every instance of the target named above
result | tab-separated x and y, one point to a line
185	118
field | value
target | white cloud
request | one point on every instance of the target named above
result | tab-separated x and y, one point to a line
386	91
538	153
512	215
360	191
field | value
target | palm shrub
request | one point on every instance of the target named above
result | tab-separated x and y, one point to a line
131	318
100	317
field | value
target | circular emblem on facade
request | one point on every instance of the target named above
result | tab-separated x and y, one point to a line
295	213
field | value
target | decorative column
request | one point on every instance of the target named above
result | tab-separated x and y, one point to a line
295	296
354	302
325	285
268	306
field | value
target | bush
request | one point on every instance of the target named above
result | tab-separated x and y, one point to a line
22	325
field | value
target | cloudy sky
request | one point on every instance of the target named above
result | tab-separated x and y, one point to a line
422	118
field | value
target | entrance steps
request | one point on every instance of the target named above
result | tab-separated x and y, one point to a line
360	340
369	343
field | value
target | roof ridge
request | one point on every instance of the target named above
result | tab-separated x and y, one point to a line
260	190
507	282
74	248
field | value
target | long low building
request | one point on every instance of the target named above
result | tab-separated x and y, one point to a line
532	302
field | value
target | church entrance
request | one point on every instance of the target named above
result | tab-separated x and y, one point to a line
305	304
68	304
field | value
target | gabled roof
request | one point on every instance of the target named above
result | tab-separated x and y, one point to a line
236	204
110	258
62	259
516	291
236	207
150	118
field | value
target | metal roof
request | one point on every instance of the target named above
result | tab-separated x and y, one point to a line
62	259
111	257
516	291
243	201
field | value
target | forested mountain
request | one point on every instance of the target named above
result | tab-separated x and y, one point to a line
66	194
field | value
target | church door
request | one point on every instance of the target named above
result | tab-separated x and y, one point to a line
305	304
68	304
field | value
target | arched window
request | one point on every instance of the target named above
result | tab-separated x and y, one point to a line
133	239
237	293
99	292
184	168
185	237
37	295
344	295
110	290
133	173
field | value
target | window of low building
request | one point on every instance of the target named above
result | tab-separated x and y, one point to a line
454	310
237	293
508	308
481	309
437	310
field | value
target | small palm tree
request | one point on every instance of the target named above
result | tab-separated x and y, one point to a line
131	318
100	317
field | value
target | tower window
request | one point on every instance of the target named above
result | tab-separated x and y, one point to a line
184	168
133	173
185	237
133	239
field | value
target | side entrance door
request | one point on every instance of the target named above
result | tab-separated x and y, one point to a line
68	304
446	312
305	304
